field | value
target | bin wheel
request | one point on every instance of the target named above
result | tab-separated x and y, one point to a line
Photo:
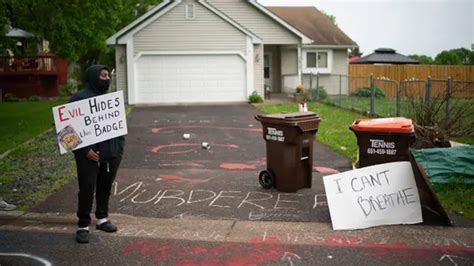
266	179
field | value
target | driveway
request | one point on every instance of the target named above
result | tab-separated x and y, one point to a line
164	175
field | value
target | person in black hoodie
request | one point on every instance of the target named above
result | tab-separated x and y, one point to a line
97	164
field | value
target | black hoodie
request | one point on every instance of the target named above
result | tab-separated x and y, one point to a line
109	149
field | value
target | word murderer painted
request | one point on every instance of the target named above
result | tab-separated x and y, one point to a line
371	196
86	122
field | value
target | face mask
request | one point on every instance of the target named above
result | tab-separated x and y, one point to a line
103	84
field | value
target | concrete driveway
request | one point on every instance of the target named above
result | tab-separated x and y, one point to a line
164	175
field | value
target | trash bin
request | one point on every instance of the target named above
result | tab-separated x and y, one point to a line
383	140
289	142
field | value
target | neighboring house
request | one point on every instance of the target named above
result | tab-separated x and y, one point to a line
24	75
386	56
190	51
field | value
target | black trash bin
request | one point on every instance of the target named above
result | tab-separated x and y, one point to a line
383	140
289	141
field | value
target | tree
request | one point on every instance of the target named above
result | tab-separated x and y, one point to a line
332	18
460	56
424	59
355	52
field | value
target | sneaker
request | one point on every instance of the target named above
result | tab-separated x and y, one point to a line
5	206
82	236
107	227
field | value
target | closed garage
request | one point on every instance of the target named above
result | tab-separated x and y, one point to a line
190	79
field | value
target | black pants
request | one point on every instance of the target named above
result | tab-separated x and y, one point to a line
94	178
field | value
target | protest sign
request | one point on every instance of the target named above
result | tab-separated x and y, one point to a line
377	195
86	122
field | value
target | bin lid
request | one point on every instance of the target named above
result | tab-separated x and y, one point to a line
292	117
393	124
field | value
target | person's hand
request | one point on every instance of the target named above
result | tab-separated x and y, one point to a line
93	156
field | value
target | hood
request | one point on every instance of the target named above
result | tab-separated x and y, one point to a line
92	78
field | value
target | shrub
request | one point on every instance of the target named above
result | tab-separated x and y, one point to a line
10	97
67	90
255	98
366	92
34	98
299	88
320	93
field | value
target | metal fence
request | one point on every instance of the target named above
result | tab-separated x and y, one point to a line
383	97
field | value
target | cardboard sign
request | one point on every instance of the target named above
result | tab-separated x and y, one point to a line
86	122
377	195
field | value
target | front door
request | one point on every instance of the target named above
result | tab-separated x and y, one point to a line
267	70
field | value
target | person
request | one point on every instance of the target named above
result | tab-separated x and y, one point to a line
97	164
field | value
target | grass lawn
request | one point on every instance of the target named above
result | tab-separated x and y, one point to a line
334	131
22	121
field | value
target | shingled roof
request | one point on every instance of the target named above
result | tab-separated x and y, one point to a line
385	56
314	24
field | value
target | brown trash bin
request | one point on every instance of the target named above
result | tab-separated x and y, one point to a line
383	140
289	141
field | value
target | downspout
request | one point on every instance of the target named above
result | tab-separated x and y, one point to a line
300	64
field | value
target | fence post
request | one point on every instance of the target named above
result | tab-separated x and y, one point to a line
311	85
428	94
398	98
317	86
449	90
372	95
340	89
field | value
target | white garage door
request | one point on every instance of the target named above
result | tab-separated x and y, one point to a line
190	78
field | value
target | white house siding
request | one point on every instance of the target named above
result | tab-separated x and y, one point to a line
333	84
253	19
121	68
258	69
289	69
173	32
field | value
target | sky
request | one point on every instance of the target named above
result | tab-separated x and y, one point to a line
424	27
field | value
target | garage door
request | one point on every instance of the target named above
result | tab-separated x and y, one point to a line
190	78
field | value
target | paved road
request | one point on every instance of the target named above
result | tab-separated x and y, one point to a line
178	204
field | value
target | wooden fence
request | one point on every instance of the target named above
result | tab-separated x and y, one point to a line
389	76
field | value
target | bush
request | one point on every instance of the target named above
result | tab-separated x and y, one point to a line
10	97
67	90
34	98
255	98
366	92
320	93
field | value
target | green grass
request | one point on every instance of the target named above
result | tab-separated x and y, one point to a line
466	140
22	121
333	129
457	197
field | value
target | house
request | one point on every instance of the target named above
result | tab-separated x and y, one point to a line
25	75
191	51
386	56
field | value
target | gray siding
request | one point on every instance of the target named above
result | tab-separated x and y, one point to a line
121	69
258	69
206	32
253	19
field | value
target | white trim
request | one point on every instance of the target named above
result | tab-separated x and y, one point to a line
255	38
140	54
305	39
112	39
315	46
300	63
131	85
124	39
250	67
325	70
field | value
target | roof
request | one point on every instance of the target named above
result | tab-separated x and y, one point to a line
19	33
385	56
314	24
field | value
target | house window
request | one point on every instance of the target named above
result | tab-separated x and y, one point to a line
190	11
317	61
